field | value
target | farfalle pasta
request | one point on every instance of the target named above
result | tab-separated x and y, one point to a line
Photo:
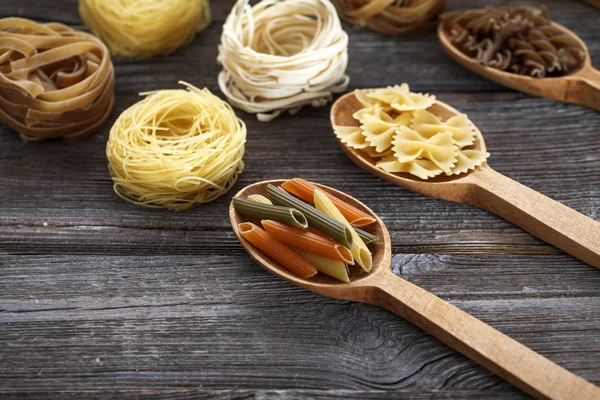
395	128
392	17
520	40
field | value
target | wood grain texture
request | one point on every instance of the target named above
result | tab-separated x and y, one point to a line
110	300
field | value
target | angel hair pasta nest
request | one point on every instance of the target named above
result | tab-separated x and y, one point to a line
176	149
143	28
392	17
282	55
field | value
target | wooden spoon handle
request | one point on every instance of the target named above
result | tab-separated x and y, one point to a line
485	345
587	89
547	219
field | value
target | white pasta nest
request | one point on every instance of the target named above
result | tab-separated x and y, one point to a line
282	55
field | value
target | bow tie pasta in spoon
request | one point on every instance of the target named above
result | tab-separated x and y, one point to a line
395	127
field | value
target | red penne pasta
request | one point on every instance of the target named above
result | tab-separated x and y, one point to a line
305	190
285	256
308	241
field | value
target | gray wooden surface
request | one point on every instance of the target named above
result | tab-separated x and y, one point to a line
102	298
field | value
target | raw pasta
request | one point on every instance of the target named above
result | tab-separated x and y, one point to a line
360	251
255	210
318	220
315	244
259	198
333	268
519	40
282	55
305	190
54	82
276	250
393	17
143	28
176	149
403	137
308	241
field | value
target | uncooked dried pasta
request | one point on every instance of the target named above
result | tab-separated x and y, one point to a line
282	55
176	149
519	40
54	82
392	17
143	28
402	136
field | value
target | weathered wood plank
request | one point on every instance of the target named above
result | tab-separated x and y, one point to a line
159	322
196	394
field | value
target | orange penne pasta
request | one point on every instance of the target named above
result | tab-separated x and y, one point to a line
319	233
305	190
308	241
279	252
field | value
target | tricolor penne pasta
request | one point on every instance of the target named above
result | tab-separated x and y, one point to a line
257	211
260	199
336	269
360	251
308	241
276	250
305	190
318	220
305	235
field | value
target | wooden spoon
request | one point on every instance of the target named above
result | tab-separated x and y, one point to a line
581	86
497	352
547	219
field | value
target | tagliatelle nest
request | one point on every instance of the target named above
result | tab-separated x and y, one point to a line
392	17
282	55
54	82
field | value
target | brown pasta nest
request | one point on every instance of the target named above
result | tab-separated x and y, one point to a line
520	40
54	82
392	17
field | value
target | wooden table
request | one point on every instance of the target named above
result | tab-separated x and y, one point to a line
100	297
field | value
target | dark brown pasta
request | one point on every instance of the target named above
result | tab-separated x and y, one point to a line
393	17
520	40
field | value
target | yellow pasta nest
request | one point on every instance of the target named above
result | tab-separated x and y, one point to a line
143	28
282	55
176	149
397	130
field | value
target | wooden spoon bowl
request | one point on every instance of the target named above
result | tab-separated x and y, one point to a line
380	249
545	218
500	354
581	86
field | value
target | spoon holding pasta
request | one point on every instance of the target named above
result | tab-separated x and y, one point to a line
483	187
577	81
485	345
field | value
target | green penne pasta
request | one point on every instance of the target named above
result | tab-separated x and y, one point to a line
318	220
259	211
336	269
366	236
